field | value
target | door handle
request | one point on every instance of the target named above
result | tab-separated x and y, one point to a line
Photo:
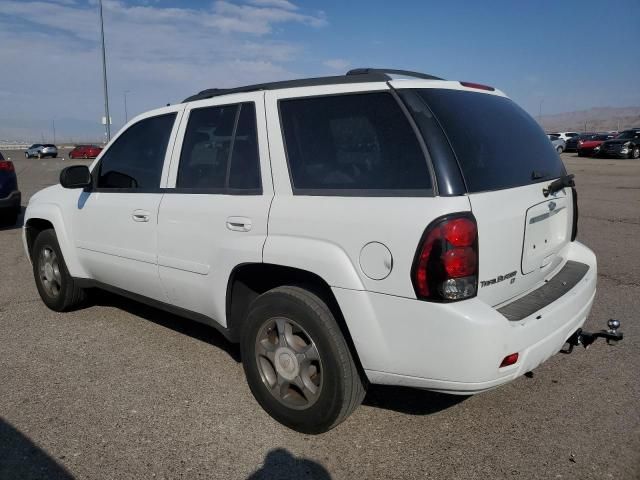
140	216
239	224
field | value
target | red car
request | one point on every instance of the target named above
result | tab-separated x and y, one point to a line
586	145
85	151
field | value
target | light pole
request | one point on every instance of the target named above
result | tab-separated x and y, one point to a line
126	116
540	112
53	122
104	78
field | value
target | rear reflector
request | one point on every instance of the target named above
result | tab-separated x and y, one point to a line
478	86
6	166
509	360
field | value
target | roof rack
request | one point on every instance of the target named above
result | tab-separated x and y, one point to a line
388	71
358	75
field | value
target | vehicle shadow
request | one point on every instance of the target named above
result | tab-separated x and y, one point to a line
282	465
21	458
199	331
17	225
411	401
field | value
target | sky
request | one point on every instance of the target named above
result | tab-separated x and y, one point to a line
558	56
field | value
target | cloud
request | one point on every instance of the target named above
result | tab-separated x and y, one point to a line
51	56
337	63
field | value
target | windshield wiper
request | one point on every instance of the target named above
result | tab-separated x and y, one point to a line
559	184
535	175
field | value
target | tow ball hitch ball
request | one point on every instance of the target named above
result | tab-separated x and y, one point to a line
584	338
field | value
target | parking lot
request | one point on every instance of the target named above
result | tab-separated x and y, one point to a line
121	390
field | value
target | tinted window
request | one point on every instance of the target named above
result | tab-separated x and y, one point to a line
136	158
497	144
245	164
220	149
352	142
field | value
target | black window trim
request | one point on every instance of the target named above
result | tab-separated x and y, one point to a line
357	192
223	190
95	172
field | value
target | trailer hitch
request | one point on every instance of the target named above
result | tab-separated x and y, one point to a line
584	338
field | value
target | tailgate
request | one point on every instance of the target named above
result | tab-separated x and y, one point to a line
521	238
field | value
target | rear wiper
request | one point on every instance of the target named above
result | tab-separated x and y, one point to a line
559	184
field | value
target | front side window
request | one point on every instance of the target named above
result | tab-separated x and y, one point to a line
220	149
361	143
136	158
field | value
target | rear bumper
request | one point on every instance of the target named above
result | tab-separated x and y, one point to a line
458	347
13	200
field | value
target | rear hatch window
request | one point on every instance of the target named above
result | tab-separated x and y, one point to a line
497	144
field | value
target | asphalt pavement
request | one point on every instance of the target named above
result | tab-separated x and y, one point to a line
119	390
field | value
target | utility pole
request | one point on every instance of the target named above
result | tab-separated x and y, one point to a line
54	130
126	116
104	78
540	112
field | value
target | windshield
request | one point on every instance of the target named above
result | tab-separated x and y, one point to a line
497	144
626	134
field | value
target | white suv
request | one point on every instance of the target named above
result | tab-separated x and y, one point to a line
345	230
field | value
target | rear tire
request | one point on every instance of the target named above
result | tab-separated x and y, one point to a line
297	362
635	153
57	288
559	149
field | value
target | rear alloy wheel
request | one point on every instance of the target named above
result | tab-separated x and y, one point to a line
58	290
26	155
39	156
635	153
85	156
297	362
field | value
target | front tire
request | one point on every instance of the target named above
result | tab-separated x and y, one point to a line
57	288
635	153
297	362
559	149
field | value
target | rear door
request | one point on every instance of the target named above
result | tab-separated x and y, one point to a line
214	216
506	161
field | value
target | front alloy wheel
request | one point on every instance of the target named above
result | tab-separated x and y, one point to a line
635	153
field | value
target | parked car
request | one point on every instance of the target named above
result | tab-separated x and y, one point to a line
625	145
557	142
305	220
85	151
565	135
41	151
10	197
586	146
571	145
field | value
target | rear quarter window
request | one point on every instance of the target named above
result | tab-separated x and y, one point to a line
352	144
497	144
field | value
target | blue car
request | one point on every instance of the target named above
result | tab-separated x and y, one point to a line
10	196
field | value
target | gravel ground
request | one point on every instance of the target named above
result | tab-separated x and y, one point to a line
120	390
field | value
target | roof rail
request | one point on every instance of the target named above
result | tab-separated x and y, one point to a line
389	71
304	82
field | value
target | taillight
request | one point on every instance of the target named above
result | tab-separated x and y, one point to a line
478	86
6	166
445	268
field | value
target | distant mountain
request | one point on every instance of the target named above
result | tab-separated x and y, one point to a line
597	119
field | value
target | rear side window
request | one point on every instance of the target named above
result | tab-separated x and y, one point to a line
220	149
497	144
356	144
136	158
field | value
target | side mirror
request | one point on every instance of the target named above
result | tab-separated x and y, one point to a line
75	176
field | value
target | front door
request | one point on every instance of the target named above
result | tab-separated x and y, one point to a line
116	222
